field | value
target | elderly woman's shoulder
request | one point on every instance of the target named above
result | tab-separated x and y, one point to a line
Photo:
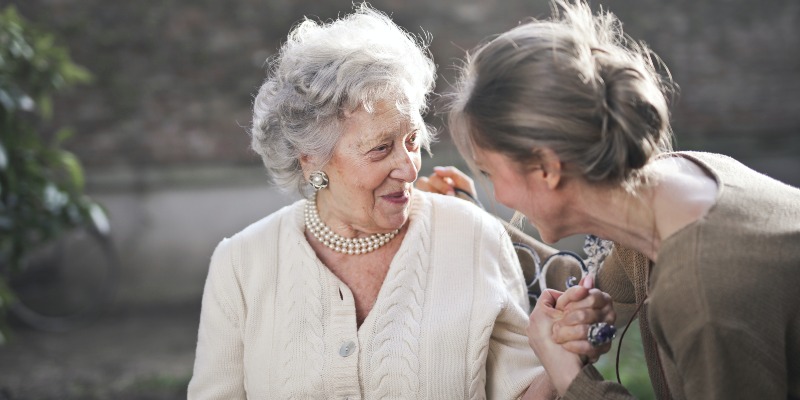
450	208
453	204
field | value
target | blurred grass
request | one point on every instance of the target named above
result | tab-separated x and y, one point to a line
632	366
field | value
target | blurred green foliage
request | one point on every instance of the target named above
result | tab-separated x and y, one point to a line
41	183
632	366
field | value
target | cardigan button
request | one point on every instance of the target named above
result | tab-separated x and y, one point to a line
347	349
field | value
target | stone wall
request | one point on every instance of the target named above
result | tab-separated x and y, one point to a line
175	78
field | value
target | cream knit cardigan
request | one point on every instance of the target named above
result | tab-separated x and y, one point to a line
449	321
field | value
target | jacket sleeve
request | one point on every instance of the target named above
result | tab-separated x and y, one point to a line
218	367
589	385
614	279
722	354
754	369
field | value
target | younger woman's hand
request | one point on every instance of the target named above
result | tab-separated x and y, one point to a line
444	180
582	306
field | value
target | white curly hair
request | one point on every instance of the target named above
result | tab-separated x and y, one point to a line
326	70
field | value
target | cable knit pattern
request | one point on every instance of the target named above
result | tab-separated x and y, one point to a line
446	323
303	307
396	343
477	387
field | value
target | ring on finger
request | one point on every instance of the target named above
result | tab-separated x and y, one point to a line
601	333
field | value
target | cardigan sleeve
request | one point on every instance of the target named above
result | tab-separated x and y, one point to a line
511	365
218	367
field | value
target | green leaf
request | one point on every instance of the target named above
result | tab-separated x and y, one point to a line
21	49
73	167
74	73
62	135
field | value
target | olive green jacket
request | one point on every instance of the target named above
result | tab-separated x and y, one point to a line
721	313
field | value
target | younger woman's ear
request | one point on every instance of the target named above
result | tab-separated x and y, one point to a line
551	167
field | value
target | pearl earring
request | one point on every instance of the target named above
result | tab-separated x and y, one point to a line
318	179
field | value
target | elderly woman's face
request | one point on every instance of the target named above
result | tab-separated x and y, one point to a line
372	171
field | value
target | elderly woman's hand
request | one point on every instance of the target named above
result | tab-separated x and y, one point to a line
445	180
583	306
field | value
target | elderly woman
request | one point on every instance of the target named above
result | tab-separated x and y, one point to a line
570	122
360	290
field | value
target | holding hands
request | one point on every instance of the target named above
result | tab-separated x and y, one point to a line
559	329
584	307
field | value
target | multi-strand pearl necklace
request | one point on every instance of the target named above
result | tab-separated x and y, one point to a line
338	243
